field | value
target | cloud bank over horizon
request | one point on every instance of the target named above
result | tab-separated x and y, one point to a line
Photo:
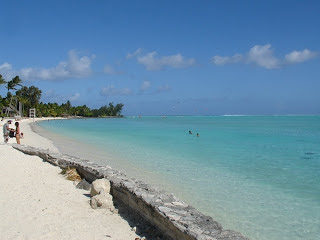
73	67
81	66
153	62
263	56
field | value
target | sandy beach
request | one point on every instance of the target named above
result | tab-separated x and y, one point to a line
36	202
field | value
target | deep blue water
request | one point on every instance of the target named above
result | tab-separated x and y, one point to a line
259	175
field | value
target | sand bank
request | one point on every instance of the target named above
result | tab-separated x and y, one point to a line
36	202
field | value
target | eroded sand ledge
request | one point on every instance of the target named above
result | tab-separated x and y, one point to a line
174	218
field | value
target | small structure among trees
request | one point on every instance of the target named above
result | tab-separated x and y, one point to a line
32	113
26	99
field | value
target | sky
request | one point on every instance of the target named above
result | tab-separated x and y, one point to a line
168	57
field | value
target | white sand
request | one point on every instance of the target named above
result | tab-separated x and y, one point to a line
36	202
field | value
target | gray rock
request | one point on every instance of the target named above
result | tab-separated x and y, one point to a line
83	184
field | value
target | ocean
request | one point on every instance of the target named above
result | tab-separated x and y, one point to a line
259	175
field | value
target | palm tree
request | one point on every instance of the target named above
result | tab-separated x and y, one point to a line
2	81
11	85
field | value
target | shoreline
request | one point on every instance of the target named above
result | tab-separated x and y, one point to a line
103	158
39	203
51	148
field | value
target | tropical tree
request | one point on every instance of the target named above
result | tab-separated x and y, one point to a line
114	110
11	85
29	96
83	111
103	111
118	109
2	81
67	108
106	111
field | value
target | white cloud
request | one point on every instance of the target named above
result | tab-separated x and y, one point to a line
151	61
78	66
6	71
74	67
263	56
218	60
132	55
112	91
5	66
300	56
145	85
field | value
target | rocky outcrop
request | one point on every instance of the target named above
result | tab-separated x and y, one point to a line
100	185
102	200
101	197
174	218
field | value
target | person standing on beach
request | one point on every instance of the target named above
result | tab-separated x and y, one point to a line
6	131
17	132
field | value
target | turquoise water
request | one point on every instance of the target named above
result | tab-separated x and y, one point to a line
259	175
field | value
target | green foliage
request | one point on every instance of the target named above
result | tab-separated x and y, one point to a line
30	97
107	111
2	81
66	109
1	105
16	81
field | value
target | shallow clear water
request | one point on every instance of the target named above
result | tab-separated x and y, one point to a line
259	175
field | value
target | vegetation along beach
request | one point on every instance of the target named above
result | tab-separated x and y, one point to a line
160	120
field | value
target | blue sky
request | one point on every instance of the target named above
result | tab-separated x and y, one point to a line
167	57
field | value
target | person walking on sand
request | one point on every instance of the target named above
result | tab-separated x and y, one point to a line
6	131
17	132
